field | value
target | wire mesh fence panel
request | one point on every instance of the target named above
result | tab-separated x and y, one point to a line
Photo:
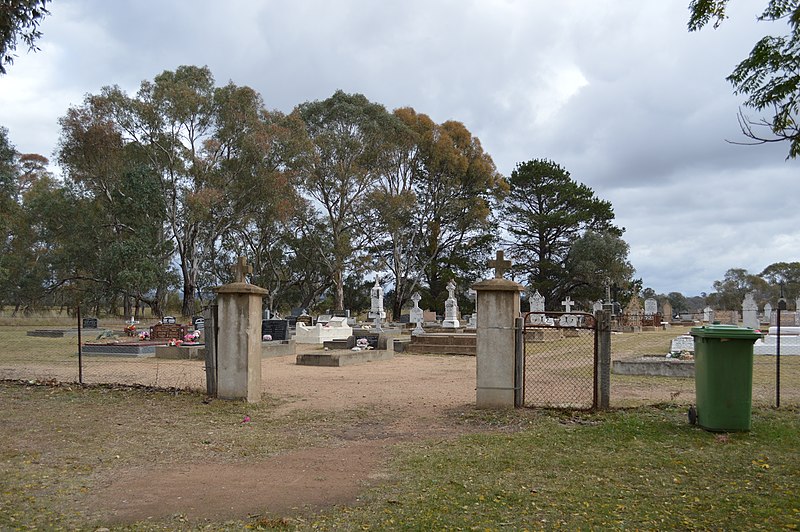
144	371
765	379
657	378
52	354
41	353
559	363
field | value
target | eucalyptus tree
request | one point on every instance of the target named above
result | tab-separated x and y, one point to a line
349	145
210	150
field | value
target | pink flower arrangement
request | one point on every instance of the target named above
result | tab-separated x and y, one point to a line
191	337
174	342
144	335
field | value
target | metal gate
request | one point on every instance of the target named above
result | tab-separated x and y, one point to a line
560	360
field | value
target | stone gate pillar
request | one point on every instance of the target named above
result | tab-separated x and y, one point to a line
239	337
497	308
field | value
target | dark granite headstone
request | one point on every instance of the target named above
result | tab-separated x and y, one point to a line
371	336
167	331
167	320
89	323
305	320
278	329
199	323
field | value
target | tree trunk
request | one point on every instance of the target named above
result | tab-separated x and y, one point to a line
187	309
338	280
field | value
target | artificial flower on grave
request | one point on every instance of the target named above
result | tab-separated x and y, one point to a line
191	337
144	335
363	343
266	338
174	342
130	330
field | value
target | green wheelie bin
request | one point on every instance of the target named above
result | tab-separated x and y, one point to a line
723	376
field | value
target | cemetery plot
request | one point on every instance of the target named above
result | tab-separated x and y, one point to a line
559	367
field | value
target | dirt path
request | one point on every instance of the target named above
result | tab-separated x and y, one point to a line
415	392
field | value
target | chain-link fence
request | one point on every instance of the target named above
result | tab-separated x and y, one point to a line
642	374
107	354
559	360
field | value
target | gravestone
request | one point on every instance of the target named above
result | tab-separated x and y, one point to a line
651	319
750	311
727	317
632	321
597	306
451	308
666	312
768	313
305	319
371	336
417	317
199	323
169	320
376	311
89	323
568	320
537	309
277	329
167	331
708	314
684	342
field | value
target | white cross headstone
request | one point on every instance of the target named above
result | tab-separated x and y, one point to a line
416	315
451	308
537	315
376	311
568	320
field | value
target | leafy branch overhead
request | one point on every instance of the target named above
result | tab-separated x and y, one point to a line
19	20
769	77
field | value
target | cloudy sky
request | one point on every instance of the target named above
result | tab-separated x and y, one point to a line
618	93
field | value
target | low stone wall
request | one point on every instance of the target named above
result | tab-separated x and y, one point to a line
654	366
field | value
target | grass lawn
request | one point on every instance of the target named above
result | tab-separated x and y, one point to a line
643	468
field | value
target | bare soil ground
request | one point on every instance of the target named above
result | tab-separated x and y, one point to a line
411	397
402	400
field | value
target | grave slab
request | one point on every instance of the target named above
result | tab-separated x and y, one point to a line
343	358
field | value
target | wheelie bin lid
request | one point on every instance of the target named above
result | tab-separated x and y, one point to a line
718	330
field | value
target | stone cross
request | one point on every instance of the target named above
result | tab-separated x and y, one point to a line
241	269
451	289
568	303
451	308
500	264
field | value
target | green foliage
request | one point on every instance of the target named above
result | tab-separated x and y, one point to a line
769	77
212	159
730	291
546	213
19	20
596	260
